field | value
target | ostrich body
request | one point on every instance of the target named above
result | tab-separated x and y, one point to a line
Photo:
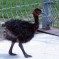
21	31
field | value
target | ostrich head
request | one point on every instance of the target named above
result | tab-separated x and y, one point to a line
36	12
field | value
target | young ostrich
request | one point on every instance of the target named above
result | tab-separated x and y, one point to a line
21	31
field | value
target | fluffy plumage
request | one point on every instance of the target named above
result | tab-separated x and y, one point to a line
23	30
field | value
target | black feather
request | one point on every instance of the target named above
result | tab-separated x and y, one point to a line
22	29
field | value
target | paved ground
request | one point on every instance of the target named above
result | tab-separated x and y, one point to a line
52	31
42	46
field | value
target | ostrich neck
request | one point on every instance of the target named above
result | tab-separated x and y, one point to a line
36	18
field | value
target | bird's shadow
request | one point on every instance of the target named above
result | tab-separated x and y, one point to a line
7	56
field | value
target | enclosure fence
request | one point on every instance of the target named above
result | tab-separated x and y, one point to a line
22	9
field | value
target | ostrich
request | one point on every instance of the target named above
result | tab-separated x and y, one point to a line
21	31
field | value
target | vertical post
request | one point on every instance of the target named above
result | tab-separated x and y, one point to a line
46	19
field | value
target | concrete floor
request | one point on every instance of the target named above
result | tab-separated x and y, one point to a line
42	46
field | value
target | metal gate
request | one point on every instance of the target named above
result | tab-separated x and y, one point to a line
22	9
